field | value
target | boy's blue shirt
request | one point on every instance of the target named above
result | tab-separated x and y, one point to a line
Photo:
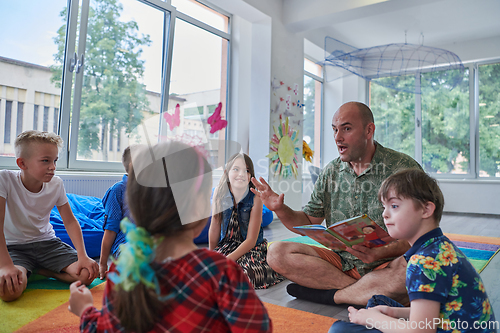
115	209
437	270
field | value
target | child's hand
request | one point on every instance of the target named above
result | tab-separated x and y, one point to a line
90	265
103	268
80	298
360	316
11	278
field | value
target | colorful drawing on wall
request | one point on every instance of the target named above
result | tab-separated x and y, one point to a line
276	84
173	120
287	102
285	148
215	120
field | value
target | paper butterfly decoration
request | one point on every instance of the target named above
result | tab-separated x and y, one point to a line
215	121
173	120
300	105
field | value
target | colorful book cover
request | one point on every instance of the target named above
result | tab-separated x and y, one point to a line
359	230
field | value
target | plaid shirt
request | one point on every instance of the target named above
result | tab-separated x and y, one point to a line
340	194
212	295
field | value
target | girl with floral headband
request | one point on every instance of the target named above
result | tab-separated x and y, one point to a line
162	281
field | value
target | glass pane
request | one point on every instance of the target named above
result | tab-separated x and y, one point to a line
489	120
312	120
313	68
197	87
202	13
122	78
28	78
394	113
445	125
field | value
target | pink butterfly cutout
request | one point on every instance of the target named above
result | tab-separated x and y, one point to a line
173	120
215	120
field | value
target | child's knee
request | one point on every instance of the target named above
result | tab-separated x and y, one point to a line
84	277
9	297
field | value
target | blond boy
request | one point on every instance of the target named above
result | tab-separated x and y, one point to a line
27	239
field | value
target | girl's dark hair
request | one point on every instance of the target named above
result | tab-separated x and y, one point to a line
223	187
155	209
414	184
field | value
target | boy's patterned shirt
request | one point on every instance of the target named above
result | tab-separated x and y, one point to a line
437	270
212	294
340	194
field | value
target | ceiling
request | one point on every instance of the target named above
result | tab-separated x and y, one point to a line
366	23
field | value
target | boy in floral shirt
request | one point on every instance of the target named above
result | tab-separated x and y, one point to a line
446	293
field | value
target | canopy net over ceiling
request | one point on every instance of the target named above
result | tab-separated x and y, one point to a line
394	62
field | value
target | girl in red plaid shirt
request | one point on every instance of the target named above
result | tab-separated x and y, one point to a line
162	282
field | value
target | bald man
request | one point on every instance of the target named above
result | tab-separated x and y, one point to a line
347	187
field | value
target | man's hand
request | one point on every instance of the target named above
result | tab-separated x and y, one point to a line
90	265
365	254
80	298
11	278
103	268
269	198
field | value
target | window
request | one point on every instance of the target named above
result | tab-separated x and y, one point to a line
489	120
56	120
438	127
120	74
8	121
20	114
45	118
35	117
312	107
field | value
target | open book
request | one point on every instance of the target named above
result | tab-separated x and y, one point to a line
360	230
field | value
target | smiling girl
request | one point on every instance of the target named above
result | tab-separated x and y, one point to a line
236	229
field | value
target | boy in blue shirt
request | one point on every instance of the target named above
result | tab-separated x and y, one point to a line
446	293
115	210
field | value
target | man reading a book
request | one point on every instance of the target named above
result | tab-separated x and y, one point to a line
347	187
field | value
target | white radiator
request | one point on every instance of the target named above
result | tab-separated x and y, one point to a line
90	185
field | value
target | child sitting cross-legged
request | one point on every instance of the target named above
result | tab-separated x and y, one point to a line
446	293
236	228
162	282
27	239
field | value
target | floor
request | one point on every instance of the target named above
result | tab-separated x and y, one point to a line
482	225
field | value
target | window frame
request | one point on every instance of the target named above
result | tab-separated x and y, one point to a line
322	81
71	84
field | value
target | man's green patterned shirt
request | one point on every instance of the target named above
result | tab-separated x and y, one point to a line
340	194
